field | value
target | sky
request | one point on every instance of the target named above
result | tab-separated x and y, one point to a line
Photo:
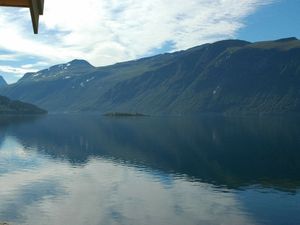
104	32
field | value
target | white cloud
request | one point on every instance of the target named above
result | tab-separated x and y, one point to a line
35	65
13	70
8	57
108	31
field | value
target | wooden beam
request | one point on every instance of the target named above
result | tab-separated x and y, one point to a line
36	9
35	14
14	3
41	6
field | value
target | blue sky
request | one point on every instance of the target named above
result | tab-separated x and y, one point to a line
277	20
109	31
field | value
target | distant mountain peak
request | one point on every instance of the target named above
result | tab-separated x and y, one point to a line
61	71
79	61
2	82
73	64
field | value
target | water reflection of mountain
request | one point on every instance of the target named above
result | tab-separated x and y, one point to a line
231	152
7	121
14	120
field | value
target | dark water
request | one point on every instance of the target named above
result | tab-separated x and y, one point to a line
75	169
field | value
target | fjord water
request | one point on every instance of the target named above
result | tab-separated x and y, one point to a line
79	169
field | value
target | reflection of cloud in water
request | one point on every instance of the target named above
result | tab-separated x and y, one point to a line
28	195
14	157
103	192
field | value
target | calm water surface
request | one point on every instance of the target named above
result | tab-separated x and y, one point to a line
93	170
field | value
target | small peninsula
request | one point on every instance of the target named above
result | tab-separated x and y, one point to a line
124	114
10	107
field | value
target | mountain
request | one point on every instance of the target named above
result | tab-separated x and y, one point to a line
231	76
2	82
10	107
